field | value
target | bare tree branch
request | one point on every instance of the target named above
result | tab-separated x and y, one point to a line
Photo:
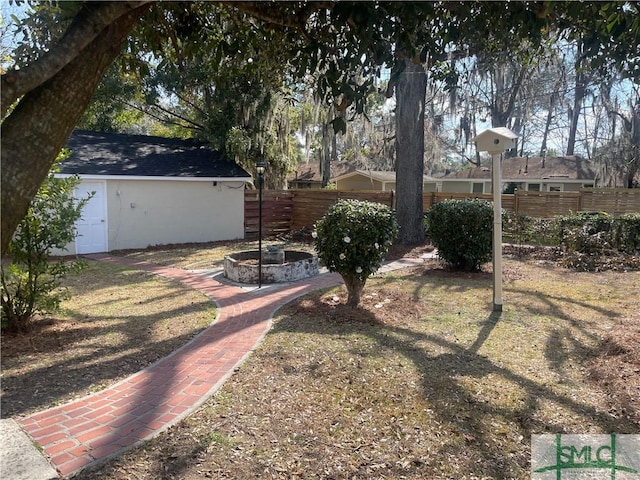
191	104
193	125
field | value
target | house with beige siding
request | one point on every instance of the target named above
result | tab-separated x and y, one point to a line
537	174
548	174
366	180
307	174
374	180
152	191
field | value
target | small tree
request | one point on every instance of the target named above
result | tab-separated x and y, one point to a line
30	282
461	230
352	239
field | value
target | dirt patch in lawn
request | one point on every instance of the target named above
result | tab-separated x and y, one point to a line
422	381
116	322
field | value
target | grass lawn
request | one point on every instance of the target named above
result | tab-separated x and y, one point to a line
116	322
423	381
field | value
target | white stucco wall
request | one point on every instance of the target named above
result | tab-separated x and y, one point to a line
157	212
142	213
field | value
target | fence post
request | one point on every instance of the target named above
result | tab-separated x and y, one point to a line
580	200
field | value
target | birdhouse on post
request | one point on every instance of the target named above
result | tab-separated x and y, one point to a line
496	141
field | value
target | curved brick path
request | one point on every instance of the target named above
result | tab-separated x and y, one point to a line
106	423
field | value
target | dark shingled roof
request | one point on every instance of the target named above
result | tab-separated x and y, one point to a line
97	153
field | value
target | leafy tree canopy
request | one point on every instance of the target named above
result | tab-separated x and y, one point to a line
68	46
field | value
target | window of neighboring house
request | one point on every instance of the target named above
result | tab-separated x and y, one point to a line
533	187
555	188
478	187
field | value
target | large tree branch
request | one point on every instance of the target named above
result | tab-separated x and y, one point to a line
93	18
35	131
515	89
191	124
190	103
270	12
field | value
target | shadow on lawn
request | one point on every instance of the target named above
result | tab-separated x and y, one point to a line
97	361
442	363
461	410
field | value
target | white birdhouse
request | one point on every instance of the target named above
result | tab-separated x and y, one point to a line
495	140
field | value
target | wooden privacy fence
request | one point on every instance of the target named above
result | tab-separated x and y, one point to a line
532	204
277	208
612	201
551	204
289	210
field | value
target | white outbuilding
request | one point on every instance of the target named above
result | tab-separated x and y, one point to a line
152	191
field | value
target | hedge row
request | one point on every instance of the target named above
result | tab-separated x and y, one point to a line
583	232
461	231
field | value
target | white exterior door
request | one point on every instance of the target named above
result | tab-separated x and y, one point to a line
92	227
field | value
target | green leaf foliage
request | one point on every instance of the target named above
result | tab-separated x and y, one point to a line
625	233
30	280
591	241
461	230
352	239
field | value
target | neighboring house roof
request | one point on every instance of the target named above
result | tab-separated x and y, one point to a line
534	168
310	172
383	176
116	154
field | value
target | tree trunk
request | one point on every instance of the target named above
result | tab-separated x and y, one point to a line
575	113
505	95
555	96
39	126
581	87
410	100
325	158
355	286
634	163
547	124
88	24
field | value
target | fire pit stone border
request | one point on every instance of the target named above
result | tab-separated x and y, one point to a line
277	267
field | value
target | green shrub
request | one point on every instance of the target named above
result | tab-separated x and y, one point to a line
598	241
461	230
625	233
589	241
523	229
569	228
30	282
352	239
581	239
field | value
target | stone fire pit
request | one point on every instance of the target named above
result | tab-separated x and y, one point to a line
278	266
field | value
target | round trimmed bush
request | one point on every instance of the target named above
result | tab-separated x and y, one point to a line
352	239
462	231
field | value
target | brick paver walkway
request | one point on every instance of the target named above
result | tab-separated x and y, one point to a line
106	423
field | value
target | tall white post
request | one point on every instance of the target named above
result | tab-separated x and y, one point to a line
495	141
497	231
